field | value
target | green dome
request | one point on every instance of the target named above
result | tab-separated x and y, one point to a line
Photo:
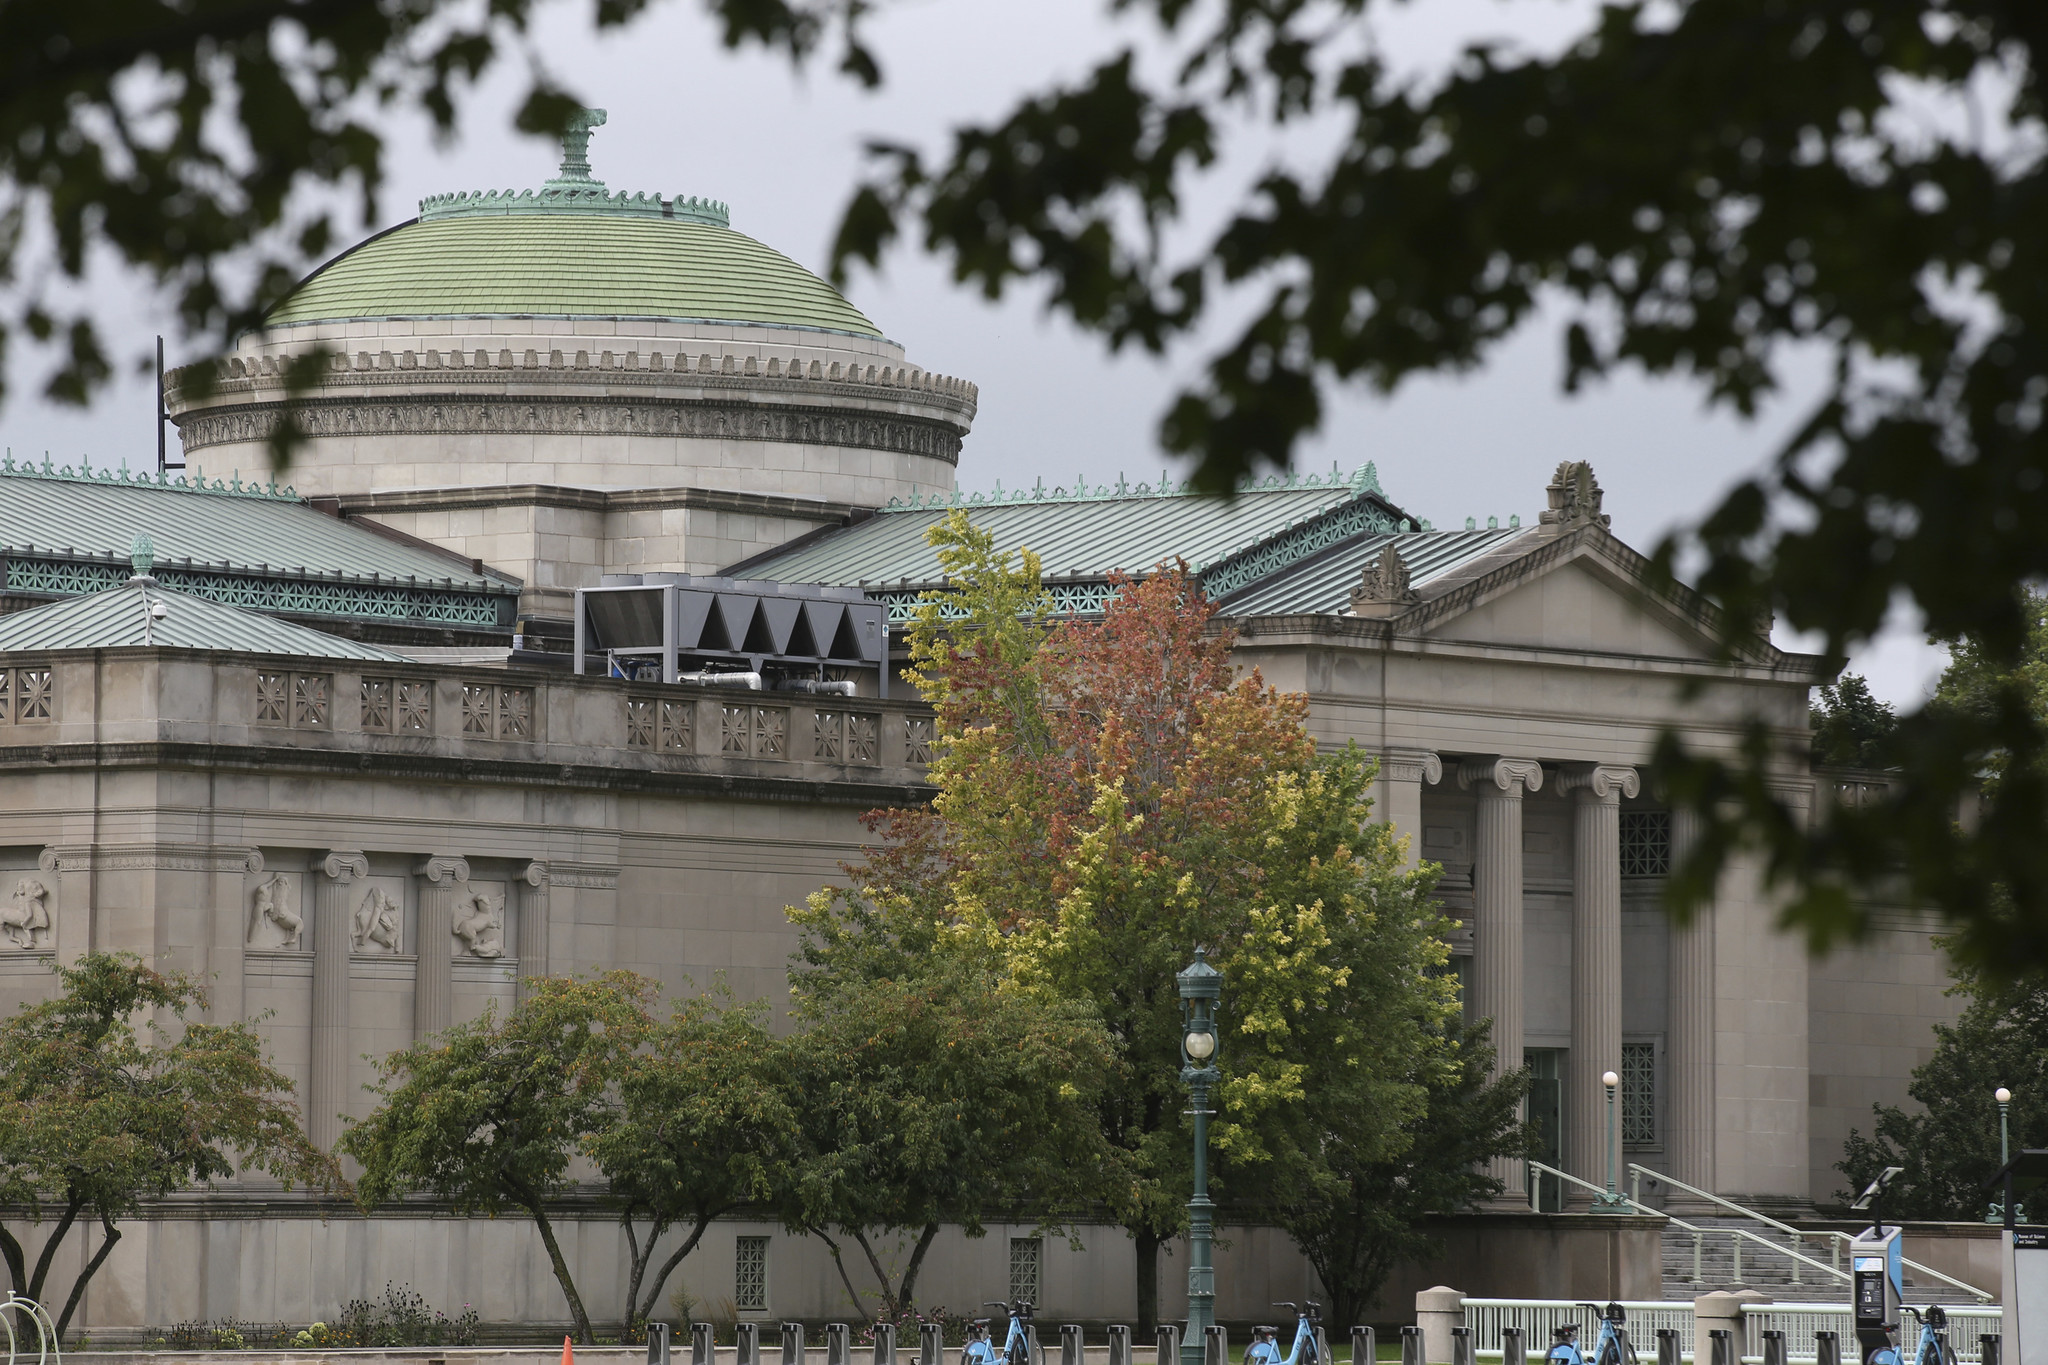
616	260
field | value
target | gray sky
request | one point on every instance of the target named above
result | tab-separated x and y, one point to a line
784	150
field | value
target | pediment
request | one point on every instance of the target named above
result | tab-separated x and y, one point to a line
1580	605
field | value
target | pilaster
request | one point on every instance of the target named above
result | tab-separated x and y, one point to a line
1689	1050
1497	954
532	888
434	979
1596	960
335	875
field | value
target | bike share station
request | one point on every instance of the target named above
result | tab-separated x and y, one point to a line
2025	1300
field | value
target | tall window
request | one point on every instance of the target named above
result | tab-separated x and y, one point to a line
1646	843
1546	1114
1639	1094
1025	1255
750	1276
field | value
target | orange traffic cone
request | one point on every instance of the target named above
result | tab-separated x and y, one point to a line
568	1352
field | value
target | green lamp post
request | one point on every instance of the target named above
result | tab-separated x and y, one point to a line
1201	987
1611	1201
1997	1212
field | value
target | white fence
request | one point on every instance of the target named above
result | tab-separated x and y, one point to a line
1798	1321
1537	1318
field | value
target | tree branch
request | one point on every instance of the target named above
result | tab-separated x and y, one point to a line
91	1269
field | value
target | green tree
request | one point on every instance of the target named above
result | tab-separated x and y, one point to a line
1356	1213
115	1092
488	1114
700	1128
1111	795
928	1098
1850	727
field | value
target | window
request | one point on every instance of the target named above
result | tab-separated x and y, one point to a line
295	701
917	745
750	1276
24	695
753	732
1645	843
397	706
845	737
1025	1255
497	712
1639	1094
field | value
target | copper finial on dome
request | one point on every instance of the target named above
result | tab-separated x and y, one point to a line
576	149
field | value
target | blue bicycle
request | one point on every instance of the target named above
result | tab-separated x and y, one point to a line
1016	1346
1934	1347
1306	1315
1613	1348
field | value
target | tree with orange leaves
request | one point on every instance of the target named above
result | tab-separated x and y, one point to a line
1112	794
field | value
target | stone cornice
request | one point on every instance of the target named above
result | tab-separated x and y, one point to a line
601	500
663	417
738	780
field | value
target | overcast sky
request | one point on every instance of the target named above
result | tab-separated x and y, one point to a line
784	150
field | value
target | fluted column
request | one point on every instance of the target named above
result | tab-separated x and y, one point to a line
433	995
532	887
335	876
1689	1048
1596	960
1397	794
1497	955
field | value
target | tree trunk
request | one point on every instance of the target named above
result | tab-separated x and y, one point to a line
1148	1282
531	1199
908	1295
668	1267
639	1256
57	1235
10	1250
92	1268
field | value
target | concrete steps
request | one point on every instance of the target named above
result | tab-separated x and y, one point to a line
1764	1271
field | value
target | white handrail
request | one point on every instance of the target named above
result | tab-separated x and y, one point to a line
1800	1257
1915	1266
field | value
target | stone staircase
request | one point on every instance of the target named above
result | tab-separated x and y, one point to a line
1765	1271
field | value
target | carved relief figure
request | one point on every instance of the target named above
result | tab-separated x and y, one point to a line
274	919
376	924
480	923
27	914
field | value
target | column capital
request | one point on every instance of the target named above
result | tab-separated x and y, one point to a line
534	874
440	869
1507	774
343	865
1411	765
1605	781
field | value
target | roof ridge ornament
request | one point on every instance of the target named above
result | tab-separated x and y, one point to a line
1384	587
575	190
1574	496
576	150
142	558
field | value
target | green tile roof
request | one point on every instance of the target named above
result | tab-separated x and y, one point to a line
122	617
1322	584
65	532
584	264
1082	535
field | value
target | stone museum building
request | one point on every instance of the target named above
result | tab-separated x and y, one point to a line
446	713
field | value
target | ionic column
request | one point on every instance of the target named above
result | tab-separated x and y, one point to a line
1497	917
335	876
433	994
1689	1048
1398	793
532	886
1596	961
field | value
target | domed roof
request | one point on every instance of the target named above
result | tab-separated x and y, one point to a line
571	250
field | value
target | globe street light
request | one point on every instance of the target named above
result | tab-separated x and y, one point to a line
1610	1202
2004	1098
1201	987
